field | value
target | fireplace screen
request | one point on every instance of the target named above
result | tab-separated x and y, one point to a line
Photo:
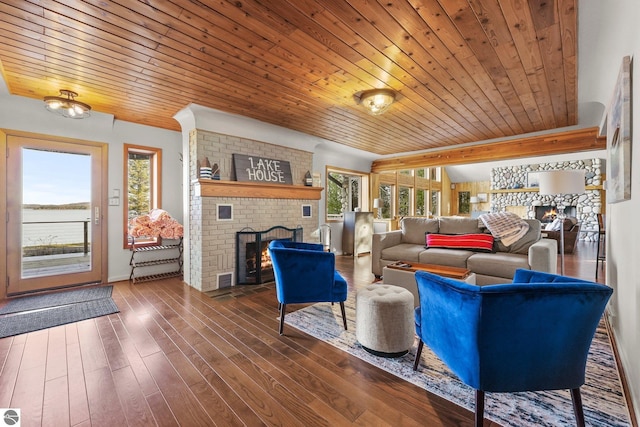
253	264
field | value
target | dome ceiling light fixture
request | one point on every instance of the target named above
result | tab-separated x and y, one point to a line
66	105
377	101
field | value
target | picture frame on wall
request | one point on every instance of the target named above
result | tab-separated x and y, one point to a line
533	180
306	211
618	132
224	212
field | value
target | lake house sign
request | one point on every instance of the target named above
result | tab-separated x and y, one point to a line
261	169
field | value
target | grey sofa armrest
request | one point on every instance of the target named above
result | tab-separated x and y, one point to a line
543	256
379	242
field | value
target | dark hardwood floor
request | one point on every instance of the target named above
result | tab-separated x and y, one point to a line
174	356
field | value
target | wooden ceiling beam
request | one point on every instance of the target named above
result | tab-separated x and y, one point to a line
533	146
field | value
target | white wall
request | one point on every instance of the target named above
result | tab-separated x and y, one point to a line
609	31
29	115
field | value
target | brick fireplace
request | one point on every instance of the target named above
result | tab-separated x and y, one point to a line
212	243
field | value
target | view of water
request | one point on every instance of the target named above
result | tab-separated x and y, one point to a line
51	228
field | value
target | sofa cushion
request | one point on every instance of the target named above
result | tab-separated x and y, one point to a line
522	245
458	225
414	229
450	257
474	242
403	252
497	264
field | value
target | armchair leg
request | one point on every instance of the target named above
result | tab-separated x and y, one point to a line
576	398
282	310
344	316
418	353
479	408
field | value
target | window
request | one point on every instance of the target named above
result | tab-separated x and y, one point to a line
345	191
142	183
410	192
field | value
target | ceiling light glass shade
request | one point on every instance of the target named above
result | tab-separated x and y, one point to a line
377	101
66	105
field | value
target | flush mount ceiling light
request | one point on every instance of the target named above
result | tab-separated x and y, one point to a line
66	105
377	101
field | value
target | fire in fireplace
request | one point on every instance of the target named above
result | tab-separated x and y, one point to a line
253	264
546	214
258	262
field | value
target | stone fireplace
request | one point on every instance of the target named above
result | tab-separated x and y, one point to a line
510	192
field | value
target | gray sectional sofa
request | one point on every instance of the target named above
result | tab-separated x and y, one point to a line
498	266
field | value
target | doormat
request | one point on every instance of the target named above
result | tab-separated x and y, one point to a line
604	404
55	299
48	316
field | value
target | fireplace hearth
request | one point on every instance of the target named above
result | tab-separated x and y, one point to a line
253	264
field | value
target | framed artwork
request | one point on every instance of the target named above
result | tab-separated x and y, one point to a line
619	137
306	211
533	180
482	197
225	212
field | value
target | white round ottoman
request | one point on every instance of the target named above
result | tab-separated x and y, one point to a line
384	320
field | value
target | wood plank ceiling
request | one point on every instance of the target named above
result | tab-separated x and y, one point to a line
464	70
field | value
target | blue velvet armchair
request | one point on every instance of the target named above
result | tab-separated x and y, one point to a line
304	273
529	335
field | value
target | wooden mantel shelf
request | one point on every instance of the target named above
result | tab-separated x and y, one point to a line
536	189
211	188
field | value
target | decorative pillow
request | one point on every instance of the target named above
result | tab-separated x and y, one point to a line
475	242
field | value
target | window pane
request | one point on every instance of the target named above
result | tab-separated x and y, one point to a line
343	193
464	202
435	203
422	196
139	179
334	195
386	201
404	201
434	174
354	194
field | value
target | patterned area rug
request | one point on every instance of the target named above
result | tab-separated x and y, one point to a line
601	394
